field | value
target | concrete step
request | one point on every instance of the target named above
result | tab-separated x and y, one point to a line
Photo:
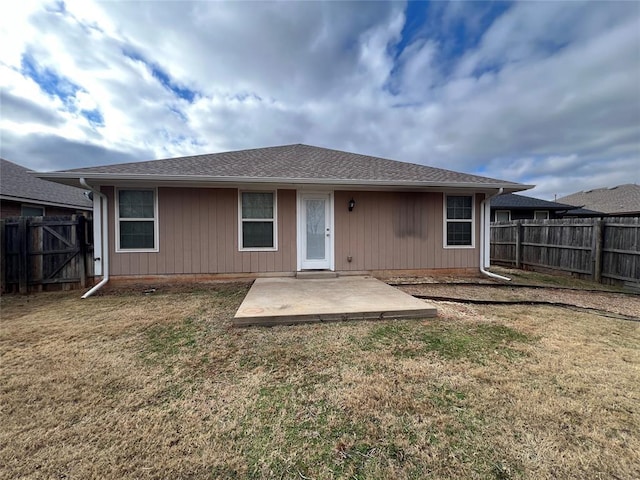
316	274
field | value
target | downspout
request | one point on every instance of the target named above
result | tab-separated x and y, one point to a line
105	238
482	239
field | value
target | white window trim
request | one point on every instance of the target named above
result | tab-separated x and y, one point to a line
546	212
502	211
156	239
445	220
241	248
44	210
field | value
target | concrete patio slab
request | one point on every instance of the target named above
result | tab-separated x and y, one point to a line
285	301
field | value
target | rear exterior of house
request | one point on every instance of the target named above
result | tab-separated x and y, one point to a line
281	210
201	231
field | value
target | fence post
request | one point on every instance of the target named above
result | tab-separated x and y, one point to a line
23	256
518	245
3	257
35	241
597	251
82	246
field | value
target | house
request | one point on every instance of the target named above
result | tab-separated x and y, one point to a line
511	206
23	194
623	200
282	210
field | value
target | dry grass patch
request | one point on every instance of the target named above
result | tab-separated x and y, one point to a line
127	385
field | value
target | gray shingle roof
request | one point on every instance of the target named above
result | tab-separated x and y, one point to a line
513	202
623	199
295	163
583	212
17	183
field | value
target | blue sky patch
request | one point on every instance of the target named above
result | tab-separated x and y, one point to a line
455	30
94	117
48	80
56	7
163	77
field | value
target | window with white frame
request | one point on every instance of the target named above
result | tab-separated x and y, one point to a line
257	221
503	215
541	214
137	220
459	221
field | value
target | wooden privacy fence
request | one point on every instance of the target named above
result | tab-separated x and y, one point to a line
606	250
41	251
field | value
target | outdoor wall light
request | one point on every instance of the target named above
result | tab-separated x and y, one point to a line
352	203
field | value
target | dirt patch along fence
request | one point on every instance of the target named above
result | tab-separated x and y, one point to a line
38	252
605	250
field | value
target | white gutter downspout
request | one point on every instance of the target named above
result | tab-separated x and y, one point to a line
105	239
483	228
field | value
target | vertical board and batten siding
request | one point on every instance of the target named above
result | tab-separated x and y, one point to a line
397	231
606	248
198	234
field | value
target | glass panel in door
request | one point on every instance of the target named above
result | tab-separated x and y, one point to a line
316	225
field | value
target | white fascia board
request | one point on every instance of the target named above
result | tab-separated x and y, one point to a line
207	181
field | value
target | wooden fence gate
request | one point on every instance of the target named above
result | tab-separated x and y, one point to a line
40	251
605	250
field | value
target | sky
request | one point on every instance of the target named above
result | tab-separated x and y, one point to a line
544	93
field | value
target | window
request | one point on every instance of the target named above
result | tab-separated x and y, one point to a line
459	221
503	215
257	221
541	215
137	220
31	211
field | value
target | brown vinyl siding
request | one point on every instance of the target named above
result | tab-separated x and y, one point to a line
198	234
397	231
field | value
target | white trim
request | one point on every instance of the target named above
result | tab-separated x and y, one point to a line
546	212
103	233
485	212
485	232
116	214
241	248
98	255
283	181
502	211
300	230
445	220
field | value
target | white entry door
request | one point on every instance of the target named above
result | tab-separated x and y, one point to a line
314	231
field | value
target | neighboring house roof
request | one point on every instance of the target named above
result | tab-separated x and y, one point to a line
17	184
288	164
511	201
582	212
623	199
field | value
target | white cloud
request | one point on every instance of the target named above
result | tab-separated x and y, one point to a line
548	95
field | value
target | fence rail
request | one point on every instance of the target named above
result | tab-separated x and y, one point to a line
606	250
40	251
